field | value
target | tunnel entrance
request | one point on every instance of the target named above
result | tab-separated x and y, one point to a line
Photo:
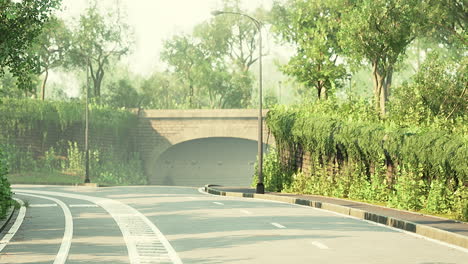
223	161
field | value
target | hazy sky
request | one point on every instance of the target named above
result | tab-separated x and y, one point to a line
155	20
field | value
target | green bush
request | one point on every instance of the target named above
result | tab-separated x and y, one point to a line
275	178
5	191
354	154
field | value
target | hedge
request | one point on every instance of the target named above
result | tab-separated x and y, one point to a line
417	168
5	191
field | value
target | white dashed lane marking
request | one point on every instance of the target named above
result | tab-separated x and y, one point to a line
278	225
246	212
319	245
84	205
218	203
43	205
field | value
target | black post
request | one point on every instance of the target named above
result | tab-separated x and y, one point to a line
87	180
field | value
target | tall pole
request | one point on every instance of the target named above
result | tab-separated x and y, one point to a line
87	180
260	187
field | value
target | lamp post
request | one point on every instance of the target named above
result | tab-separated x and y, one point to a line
260	187
87	180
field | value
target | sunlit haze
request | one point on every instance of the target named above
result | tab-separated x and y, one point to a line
152	21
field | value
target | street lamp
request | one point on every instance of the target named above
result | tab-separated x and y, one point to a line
87	180
258	24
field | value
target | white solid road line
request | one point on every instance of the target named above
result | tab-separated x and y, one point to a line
319	245
218	203
19	220
83	205
62	254
42	205
278	225
145	242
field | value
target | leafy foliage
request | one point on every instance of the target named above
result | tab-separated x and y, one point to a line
358	156
21	23
163	91
312	26
379	32
50	48
96	41
122	94
438	91
5	191
213	63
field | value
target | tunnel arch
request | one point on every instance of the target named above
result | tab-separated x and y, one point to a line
215	160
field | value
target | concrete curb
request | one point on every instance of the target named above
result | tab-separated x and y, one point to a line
423	230
4	222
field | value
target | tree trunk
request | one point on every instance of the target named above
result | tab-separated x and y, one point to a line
388	82
319	90
375	79
44	84
324	93
191	96
380	89
383	97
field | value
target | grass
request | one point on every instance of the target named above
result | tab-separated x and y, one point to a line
44	177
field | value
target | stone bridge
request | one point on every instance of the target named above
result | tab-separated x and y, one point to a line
161	132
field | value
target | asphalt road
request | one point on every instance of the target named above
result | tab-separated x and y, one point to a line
154	224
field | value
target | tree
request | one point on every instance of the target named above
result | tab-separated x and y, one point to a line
438	90
21	22
186	58
163	90
123	94
96	41
50	48
446	21
214	61
231	36
311	26
379	31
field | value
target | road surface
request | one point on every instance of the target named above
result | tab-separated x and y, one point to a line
155	224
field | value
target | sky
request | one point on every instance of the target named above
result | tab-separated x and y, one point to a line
153	21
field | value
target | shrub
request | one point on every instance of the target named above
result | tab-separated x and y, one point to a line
5	191
362	157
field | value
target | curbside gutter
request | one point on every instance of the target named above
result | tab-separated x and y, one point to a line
4	222
423	230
